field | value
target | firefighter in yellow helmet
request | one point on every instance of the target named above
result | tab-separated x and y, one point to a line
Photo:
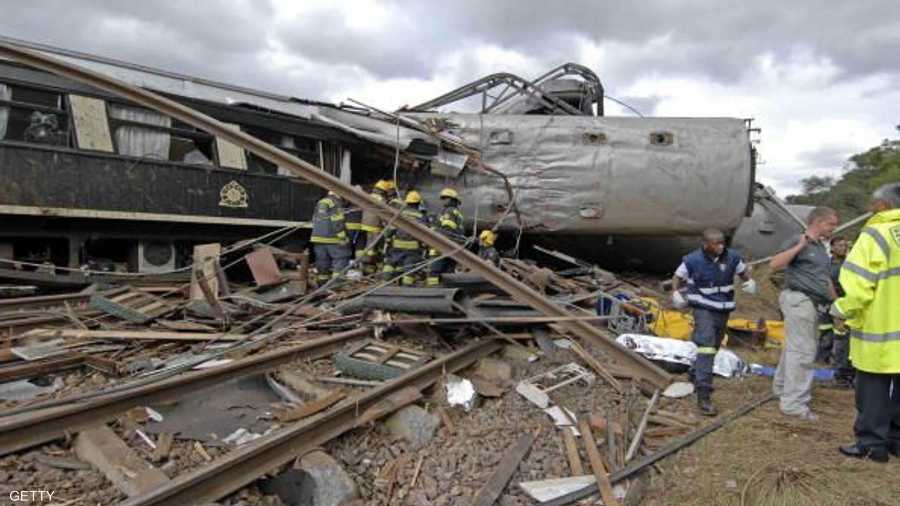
486	249
331	246
870	307
450	222
404	251
371	226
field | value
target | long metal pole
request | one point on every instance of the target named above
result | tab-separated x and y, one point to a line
637	366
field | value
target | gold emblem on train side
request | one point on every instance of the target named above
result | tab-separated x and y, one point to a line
233	195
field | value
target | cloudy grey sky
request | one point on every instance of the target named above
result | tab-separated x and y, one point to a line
822	78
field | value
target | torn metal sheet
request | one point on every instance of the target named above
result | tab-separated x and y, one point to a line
375	130
40	350
211	415
547	490
24	390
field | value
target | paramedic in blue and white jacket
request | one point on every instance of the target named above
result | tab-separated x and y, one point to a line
706	277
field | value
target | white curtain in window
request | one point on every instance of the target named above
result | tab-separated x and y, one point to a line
5	94
137	141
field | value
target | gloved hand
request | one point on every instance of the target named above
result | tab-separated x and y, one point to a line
840	326
678	300
749	287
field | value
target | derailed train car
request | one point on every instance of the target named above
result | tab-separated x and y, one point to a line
89	180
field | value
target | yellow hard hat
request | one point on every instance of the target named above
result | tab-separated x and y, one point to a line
487	237
413	197
384	185
449	193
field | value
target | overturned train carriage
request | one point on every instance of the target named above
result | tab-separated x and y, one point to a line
606	188
90	180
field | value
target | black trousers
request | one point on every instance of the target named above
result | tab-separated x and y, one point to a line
877	409
709	329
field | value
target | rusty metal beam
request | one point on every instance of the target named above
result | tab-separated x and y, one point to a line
636	366
18	432
242	466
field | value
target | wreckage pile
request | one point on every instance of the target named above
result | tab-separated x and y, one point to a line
271	392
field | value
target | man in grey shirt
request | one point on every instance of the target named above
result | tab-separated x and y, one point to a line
807	287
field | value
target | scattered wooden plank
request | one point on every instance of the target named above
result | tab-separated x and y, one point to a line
313	407
490	492
606	490
596	366
62	463
415	476
349	381
575	465
103	449
163	446
127	335
642	426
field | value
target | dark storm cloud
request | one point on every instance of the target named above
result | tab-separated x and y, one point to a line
718	39
226	41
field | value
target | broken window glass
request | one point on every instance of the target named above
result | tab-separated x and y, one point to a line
32	115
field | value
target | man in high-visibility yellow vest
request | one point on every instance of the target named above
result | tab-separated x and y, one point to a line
870	307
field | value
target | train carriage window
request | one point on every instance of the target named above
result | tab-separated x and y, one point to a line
91	123
32	115
135	139
190	145
5	94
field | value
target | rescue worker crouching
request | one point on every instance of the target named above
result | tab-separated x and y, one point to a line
371	225
450	223
331	245
486	249
404	251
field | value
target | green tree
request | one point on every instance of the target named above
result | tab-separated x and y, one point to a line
850	194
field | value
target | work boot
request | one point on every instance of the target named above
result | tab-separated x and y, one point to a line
879	455
705	405
893	448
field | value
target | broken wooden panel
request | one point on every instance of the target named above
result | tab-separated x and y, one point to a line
91	123
205	258
131	305
230	155
263	267
103	449
377	360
